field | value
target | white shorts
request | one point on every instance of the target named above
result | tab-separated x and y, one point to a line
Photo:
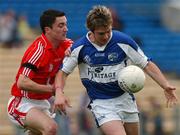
122	108
19	106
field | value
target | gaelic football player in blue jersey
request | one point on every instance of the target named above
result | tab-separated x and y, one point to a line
100	54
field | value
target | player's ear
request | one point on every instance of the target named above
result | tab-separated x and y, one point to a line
47	29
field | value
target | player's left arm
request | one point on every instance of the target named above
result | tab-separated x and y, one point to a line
169	90
25	83
61	101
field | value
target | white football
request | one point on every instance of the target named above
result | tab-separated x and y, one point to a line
131	79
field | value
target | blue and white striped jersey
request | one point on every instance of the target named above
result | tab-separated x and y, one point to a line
99	66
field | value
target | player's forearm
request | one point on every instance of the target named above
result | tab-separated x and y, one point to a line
60	81
154	72
27	84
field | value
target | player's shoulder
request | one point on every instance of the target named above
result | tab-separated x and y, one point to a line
123	38
80	42
39	41
121	35
36	47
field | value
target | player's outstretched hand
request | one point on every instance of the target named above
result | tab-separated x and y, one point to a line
61	103
170	96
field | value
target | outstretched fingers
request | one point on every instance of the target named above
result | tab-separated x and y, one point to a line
171	98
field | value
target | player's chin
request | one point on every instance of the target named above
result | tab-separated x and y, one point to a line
63	37
104	42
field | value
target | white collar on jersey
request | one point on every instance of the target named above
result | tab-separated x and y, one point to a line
99	48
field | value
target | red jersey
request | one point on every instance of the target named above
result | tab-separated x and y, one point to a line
40	63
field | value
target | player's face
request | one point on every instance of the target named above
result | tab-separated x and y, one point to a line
59	29
102	35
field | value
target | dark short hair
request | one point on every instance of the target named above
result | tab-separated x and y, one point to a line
48	18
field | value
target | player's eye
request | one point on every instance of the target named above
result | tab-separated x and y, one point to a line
61	25
101	33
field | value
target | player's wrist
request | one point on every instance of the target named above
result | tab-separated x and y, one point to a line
59	90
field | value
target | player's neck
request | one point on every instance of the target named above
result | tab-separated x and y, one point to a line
54	42
93	40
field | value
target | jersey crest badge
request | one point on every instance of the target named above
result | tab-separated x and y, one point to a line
113	56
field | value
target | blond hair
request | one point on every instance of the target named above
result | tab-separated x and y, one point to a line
99	16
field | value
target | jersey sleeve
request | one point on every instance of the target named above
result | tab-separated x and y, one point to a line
137	56
70	62
32	59
131	49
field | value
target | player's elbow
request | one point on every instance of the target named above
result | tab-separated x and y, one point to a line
22	82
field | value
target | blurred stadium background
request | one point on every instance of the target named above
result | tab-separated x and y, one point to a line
154	24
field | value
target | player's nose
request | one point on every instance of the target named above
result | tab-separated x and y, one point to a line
106	36
65	28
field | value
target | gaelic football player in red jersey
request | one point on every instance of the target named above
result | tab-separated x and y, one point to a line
29	107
